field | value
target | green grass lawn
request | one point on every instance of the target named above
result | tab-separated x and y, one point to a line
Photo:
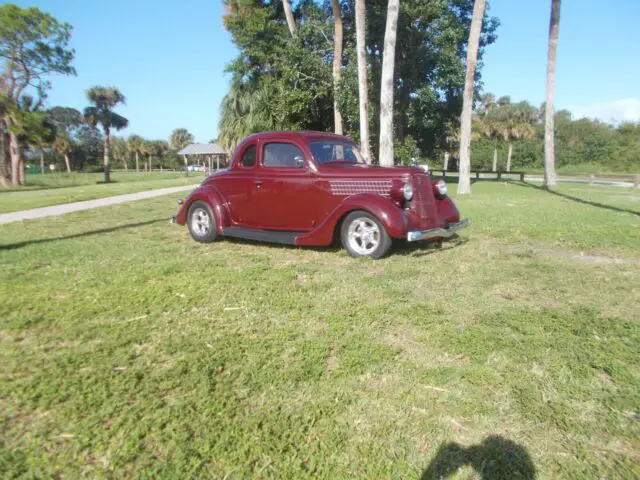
54	189
128	350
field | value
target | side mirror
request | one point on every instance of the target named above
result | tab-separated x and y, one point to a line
299	161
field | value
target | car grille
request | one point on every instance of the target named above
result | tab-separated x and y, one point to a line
419	204
350	187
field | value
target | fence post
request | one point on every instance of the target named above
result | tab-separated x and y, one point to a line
499	174
592	177
636	181
477	174
522	176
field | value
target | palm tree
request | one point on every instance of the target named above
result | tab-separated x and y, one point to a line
135	146
120	150
101	113
180	138
146	150
40	135
159	148
493	128
464	182
337	64
63	145
386	90
519	120
289	14
549	146
363	88
491	123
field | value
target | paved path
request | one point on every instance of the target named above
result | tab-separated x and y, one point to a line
88	204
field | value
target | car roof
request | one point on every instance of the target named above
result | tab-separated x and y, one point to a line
298	133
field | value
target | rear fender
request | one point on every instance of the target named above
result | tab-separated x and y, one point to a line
392	218
210	195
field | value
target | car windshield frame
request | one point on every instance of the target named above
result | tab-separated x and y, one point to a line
335	143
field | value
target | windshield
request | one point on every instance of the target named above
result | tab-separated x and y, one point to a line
329	150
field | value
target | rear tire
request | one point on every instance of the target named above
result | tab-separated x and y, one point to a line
201	222
363	235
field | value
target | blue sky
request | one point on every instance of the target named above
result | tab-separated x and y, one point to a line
168	58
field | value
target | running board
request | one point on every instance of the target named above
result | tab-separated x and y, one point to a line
270	236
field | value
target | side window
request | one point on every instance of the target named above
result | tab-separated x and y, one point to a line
282	155
248	158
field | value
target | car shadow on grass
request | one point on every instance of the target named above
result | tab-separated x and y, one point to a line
424	248
574	199
415	249
13	246
496	458
334	247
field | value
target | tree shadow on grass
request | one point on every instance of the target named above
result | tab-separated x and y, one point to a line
13	246
36	187
575	199
496	458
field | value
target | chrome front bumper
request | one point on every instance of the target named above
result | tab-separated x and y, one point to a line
445	232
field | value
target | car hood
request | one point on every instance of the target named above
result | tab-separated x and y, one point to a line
357	169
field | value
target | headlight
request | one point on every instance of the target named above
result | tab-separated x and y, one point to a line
407	191
440	188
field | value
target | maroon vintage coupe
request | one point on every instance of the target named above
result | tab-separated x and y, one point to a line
308	188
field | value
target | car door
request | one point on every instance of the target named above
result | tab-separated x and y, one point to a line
238	189
286	187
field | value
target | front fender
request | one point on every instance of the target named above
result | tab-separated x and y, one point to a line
392	218
210	195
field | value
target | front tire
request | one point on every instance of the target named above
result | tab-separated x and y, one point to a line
201	222
363	235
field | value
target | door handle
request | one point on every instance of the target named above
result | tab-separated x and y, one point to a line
258	183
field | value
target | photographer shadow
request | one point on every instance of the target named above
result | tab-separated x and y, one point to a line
496	458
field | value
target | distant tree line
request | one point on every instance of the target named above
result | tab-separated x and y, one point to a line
510	136
33	46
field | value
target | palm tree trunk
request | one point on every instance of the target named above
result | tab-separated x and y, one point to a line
549	144
509	156
464	182
105	157
4	142
445	164
124	162
137	165
23	173
363	87
289	14
41	161
15	153
386	87
67	163
337	64
494	166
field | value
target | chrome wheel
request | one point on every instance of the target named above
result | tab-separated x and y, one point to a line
200	222
363	236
